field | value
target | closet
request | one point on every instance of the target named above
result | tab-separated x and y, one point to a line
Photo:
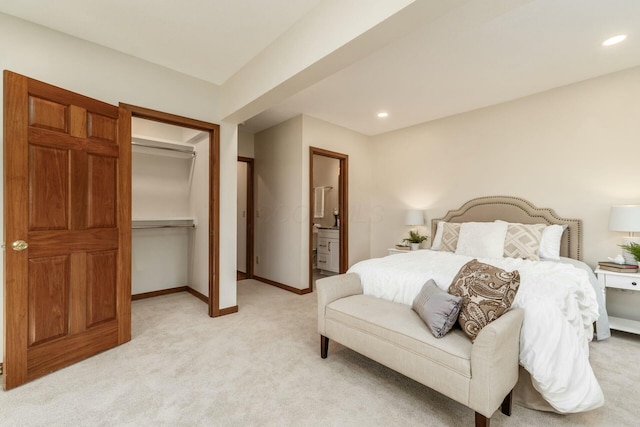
170	209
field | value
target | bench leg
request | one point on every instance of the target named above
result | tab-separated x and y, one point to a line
505	408
481	420
324	346
507	404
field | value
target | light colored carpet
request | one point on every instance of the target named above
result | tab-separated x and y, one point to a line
261	367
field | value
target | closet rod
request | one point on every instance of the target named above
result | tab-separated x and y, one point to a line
143	227
155	147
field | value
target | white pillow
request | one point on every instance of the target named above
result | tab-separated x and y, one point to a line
550	242
482	239
437	239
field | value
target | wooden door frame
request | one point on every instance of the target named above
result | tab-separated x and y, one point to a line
249	248
214	190
343	208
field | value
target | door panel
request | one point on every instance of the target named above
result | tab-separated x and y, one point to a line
50	243
101	127
48	298
47	114
48	188
102	268
102	192
52	355
67	194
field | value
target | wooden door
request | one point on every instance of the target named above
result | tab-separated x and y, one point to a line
67	202
241	219
245	239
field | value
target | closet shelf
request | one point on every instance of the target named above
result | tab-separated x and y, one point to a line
147	223
161	148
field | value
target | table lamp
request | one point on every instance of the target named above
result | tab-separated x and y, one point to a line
626	218
414	217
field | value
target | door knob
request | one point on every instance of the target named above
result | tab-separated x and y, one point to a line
19	245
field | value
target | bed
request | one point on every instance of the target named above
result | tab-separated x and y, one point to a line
562	300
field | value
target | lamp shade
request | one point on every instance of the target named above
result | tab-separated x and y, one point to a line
625	218
414	217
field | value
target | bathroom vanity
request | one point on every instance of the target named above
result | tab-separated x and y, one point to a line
328	250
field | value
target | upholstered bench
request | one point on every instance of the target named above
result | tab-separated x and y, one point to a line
480	375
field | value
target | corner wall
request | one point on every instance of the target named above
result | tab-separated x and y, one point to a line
320	134
246	144
282	195
278	171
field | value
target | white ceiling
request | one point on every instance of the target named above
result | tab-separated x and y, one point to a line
471	58
479	54
207	39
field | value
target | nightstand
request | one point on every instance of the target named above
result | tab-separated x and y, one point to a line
394	251
625	281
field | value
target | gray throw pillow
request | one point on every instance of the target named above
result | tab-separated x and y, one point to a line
437	308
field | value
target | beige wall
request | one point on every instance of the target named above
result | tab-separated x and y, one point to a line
245	144
320	134
575	149
278	171
282	195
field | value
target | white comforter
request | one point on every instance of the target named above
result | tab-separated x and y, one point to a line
559	309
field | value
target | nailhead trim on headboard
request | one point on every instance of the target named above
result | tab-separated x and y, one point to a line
490	208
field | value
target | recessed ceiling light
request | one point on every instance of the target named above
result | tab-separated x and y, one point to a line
614	40
383	114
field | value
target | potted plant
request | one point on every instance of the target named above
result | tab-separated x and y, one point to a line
633	249
415	239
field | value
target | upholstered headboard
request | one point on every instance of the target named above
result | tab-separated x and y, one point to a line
513	209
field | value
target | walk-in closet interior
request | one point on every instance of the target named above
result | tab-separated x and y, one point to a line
170	209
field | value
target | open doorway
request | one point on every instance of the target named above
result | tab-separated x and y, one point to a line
328	213
245	218
203	207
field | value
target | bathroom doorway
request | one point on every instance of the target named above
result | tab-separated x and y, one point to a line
328	214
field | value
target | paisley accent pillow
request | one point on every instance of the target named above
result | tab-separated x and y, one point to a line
487	293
